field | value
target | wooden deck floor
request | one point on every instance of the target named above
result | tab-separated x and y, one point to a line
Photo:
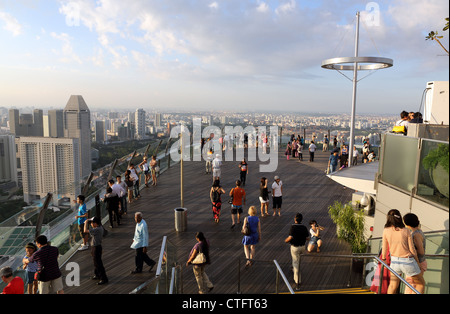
306	190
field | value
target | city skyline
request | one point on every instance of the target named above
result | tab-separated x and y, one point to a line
217	55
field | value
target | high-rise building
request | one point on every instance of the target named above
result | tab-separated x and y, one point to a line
77	124
157	119
8	161
100	131
55	123
49	165
140	123
26	124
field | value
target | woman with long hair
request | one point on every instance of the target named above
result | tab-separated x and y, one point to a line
397	238
200	248
264	197
215	196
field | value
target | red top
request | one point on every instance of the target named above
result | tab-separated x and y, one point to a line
14	287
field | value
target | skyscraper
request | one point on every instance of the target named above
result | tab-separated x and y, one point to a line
157	119
26	124
55	123
140	123
8	161
100	131
77	124
49	165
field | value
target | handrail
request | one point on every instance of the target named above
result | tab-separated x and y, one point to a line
172	279
161	256
157	277
397	275
279	271
368	255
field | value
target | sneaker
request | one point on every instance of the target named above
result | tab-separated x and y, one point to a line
83	247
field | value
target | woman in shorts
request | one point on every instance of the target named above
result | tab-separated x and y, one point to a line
404	258
264	197
315	239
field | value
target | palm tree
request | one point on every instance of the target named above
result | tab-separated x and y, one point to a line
434	36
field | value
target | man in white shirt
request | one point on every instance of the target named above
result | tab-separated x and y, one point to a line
312	149
140	243
121	189
216	166
277	193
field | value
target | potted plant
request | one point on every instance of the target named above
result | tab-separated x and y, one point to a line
350	228
437	163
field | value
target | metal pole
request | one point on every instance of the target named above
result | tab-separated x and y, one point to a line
181	170
355	81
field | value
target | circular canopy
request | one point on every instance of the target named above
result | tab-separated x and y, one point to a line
370	63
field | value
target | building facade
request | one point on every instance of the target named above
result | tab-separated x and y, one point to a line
49	165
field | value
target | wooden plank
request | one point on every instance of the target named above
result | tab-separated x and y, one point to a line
306	190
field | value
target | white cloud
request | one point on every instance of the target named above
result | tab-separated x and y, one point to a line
213	5
67	55
11	23
262	7
286	7
236	42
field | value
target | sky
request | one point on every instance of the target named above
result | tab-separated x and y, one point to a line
218	55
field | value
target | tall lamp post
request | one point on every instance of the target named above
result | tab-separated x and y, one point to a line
354	64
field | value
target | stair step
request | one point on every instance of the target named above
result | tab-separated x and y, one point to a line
338	291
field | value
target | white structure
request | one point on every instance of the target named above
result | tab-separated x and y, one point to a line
8	161
77	124
49	165
436	103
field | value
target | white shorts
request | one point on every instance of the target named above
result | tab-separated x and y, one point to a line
263	201
216	173
405	265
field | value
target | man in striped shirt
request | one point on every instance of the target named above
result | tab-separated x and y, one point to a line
47	260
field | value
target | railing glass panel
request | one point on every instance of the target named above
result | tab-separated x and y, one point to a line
399	161
433	183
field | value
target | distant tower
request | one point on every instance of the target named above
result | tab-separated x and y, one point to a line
55	123
140	123
157	119
77	124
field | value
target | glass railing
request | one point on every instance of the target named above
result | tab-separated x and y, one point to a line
418	166
433	181
167	278
436	253
59	223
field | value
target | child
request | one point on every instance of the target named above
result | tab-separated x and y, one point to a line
412	223
315	236
31	268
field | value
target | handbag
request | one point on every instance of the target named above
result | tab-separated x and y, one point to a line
246	228
200	258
